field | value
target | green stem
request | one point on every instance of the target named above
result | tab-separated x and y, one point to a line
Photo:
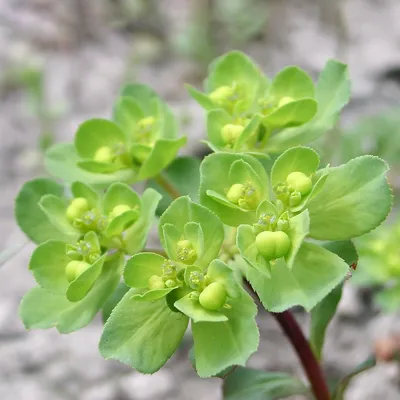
307	358
167	186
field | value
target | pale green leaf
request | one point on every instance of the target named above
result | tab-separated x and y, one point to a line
232	342
96	133
143	335
61	161
30	217
48	262
315	273
80	287
355	199
135	237
42	309
141	267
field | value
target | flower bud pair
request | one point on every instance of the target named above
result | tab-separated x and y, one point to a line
272	245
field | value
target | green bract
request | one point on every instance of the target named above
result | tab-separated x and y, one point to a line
138	145
284	224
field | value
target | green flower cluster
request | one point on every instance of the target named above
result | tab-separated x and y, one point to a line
80	265
248	112
283	226
138	144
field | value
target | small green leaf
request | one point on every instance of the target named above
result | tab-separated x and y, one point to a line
291	114
79	189
42	309
355	199
200	97
184	175
246	383
117	194
127	113
143	335
61	161
80	287
216	120
96	133
332	94
236	67
141	267
333	88
250	129
136	236
162	154
152	105
218	345
215	175
55	209
183	210
196	312
315	273
298	159
121	223
292	82
48	264
30	217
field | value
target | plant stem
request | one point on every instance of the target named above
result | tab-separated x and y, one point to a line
170	189
307	358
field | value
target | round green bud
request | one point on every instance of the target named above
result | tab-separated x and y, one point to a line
77	208
103	154
75	268
294	199
170	283
235	193
213	297
221	95
119	209
231	132
155	282
300	182
273	245
285	100
146	124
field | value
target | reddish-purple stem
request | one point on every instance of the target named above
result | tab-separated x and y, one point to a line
307	358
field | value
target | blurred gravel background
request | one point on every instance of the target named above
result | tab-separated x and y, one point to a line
84	51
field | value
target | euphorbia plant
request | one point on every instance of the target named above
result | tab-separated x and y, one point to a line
281	229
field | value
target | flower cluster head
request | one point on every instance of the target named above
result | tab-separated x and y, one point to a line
247	112
284	224
137	144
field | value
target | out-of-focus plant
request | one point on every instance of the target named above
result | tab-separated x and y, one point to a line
282	229
380	264
213	22
378	135
31	78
